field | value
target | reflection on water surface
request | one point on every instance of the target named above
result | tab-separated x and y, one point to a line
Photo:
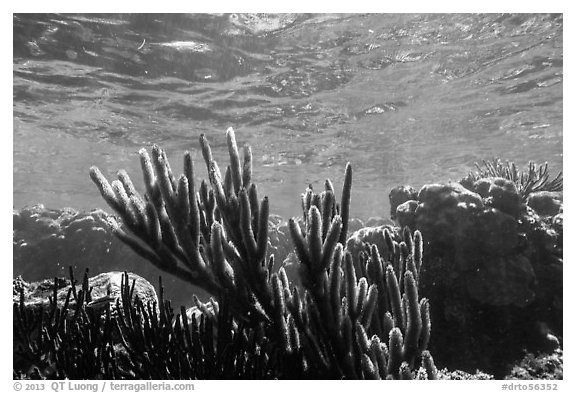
405	98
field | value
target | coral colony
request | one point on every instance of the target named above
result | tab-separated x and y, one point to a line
338	306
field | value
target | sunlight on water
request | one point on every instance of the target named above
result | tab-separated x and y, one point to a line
405	98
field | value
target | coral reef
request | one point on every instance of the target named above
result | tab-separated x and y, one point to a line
144	341
398	196
38	230
47	241
543	367
494	266
459	375
217	238
105	288
534	180
61	341
545	203
318	296
133	339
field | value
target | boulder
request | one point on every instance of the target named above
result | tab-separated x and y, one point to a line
406	214
545	203
105	290
491	264
500	194
398	196
359	240
445	212
46	242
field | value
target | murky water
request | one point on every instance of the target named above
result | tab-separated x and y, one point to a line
405	98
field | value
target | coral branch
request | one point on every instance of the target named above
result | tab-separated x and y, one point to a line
217	238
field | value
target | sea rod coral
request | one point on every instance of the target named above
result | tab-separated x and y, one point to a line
350	318
133	338
534	180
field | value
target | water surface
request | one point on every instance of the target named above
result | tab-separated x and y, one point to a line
406	98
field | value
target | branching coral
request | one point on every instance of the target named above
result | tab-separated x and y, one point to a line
64	342
135	340
210	345
349	300
354	310
536	179
217	239
139	339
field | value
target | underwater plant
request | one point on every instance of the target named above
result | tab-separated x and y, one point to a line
350	319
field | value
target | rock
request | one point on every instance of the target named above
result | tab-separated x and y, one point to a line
358	241
558	226
459	375
539	367
482	187
34	297
497	232
449	195
544	233
491	263
42	237
46	242
446	211
502	281
501	194
545	203
406	214
105	290
398	196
